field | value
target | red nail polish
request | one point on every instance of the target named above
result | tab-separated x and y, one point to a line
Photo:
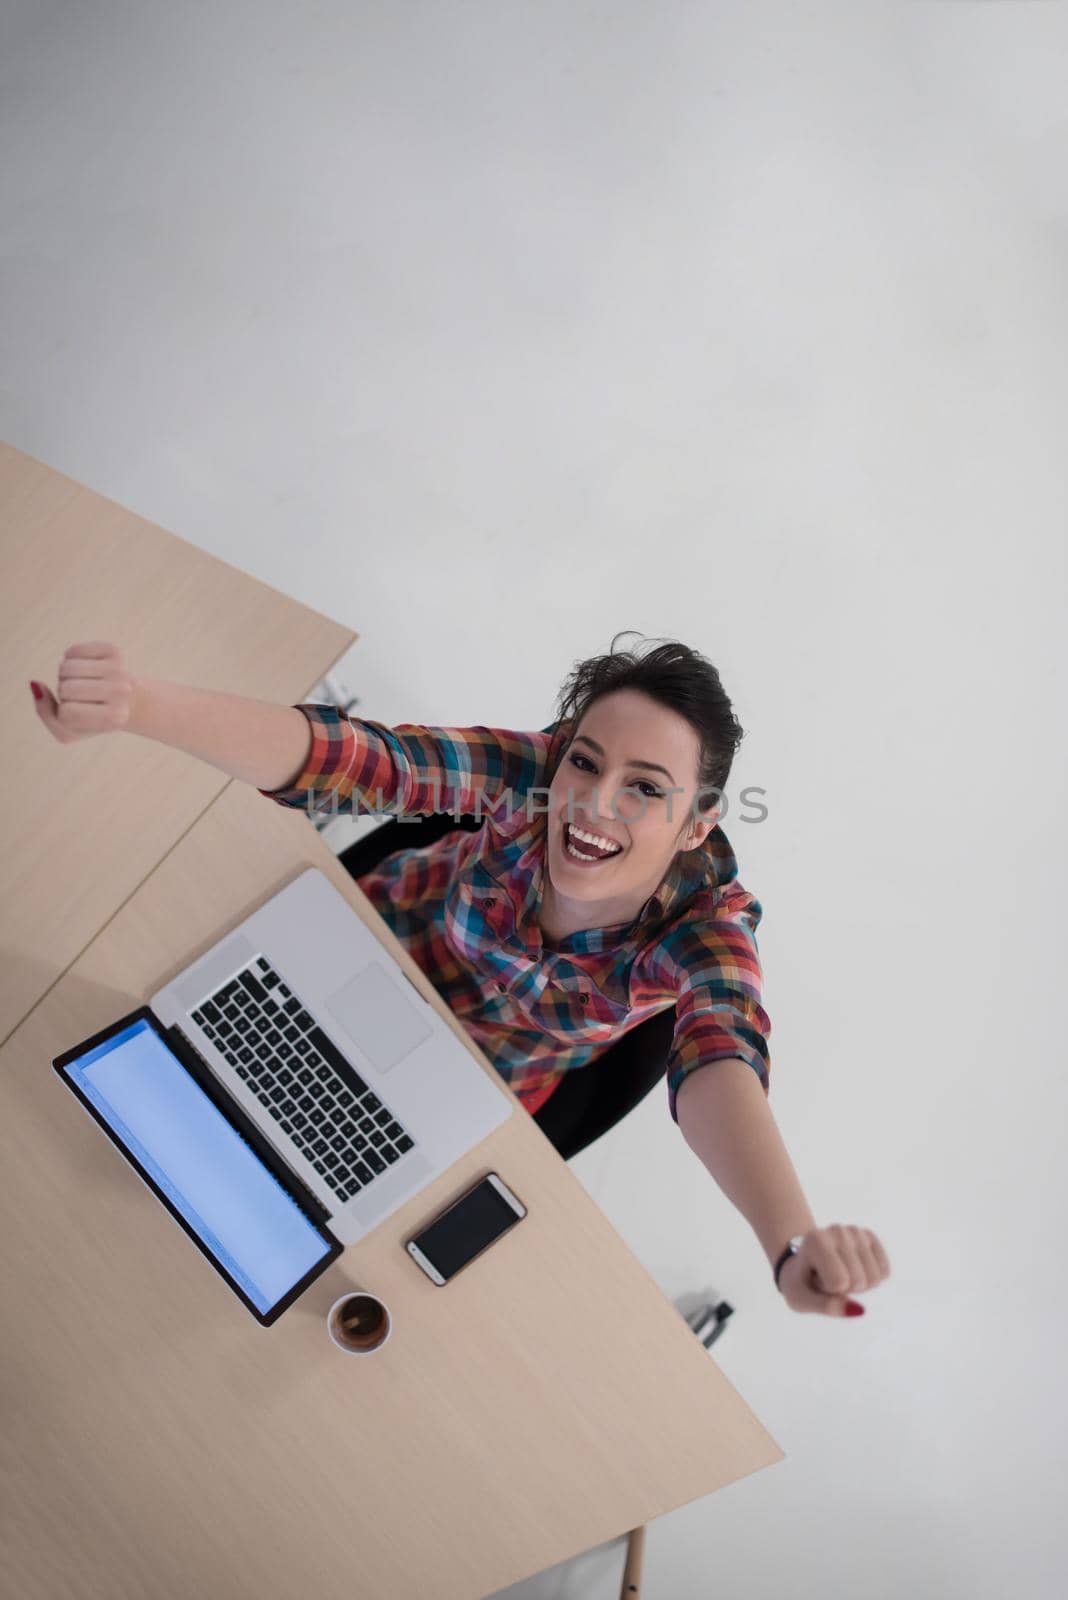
36	687
853	1308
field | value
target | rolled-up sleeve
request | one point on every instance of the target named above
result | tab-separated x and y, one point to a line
414	770
718	1009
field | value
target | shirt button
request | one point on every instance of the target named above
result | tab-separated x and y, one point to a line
487	904
584	998
502	987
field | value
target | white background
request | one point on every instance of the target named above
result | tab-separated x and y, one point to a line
491	329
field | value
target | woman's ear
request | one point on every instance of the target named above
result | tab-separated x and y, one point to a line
699	829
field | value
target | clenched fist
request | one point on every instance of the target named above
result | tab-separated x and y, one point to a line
94	693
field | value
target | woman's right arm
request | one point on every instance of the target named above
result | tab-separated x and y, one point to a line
301	756
261	744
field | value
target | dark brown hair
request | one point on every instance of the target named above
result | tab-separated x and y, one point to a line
676	677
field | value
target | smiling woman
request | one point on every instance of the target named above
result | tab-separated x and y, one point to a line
546	958
613	830
551	936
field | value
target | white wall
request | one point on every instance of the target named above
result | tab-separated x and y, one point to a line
492	329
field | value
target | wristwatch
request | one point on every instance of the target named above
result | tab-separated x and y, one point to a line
791	1250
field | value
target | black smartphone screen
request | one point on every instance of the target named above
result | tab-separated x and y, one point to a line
466	1228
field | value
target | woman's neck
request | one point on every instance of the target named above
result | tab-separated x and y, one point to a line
559	923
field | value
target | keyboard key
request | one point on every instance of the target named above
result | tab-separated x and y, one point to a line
363	1172
254	987
243	1072
404	1143
374	1161
330	1052
211	1012
286	1127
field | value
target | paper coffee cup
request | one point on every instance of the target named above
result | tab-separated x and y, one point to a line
359	1322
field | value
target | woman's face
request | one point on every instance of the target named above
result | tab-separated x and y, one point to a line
614	780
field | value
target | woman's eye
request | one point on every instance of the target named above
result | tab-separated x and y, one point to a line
655	795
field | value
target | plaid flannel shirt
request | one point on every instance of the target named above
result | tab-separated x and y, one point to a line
466	907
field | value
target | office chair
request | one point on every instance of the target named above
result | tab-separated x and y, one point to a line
589	1100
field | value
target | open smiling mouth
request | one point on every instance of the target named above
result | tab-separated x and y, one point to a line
585	848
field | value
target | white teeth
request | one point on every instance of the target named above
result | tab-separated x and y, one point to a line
593	838
589	838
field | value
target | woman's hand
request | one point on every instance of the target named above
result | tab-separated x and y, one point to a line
831	1264
94	693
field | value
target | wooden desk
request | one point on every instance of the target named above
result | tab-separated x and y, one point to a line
84	824
158	1443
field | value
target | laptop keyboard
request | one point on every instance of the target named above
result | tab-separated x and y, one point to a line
299	1075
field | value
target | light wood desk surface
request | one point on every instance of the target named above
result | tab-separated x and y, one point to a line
159	1443
84	824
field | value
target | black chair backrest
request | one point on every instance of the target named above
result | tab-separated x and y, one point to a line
407	833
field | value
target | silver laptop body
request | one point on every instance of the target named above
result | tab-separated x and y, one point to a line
327	1046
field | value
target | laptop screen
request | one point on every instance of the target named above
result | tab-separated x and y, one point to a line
228	1199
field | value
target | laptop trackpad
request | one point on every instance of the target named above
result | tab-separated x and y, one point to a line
381	1019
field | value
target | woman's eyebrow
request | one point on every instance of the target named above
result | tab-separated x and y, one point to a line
652	766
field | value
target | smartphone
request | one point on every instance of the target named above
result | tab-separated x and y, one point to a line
463	1230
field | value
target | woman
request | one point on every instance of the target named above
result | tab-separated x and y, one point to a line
598	891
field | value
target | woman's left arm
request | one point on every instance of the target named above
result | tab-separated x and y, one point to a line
727	1122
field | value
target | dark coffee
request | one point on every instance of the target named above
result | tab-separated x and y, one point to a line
360	1321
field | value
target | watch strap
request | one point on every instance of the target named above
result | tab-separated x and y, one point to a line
791	1250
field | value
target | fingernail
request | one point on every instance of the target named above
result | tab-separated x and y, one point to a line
853	1308
36	687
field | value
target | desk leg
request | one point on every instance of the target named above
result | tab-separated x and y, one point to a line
632	1572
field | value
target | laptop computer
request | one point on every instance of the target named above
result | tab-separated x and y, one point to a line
333	1053
322	1057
